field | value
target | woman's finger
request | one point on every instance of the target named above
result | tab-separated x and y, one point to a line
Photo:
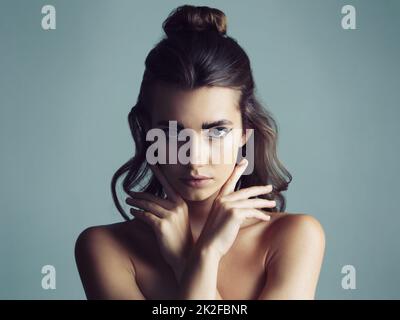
248	192
248	213
253	203
150	197
258	214
146	217
171	194
148	206
230	184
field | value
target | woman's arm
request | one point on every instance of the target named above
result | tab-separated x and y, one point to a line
295	259
196	264
199	278
105	271
293	269
229	210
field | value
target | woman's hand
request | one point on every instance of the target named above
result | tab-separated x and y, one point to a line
229	210
169	219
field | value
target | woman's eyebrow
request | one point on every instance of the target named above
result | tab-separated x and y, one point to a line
205	125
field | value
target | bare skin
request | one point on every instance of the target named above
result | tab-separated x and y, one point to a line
202	243
278	258
123	261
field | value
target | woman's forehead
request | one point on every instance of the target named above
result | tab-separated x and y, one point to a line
202	105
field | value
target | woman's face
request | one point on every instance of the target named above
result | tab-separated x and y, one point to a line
196	110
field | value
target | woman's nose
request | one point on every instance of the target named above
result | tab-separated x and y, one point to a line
199	151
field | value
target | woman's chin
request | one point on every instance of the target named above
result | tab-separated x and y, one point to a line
196	195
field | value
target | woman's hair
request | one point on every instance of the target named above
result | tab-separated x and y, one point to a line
196	52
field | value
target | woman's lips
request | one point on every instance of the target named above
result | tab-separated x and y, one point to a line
197	183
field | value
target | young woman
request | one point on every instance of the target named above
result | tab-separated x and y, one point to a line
202	230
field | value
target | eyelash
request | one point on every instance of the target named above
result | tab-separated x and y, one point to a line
225	129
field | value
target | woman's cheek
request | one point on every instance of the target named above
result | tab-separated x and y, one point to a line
223	172
223	151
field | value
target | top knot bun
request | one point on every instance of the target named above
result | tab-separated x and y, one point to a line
189	18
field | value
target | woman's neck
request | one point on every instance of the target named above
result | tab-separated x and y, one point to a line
198	214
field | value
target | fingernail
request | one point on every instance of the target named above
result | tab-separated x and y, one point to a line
274	203
243	162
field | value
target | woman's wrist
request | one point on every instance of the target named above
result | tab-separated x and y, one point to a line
198	253
199	277
205	253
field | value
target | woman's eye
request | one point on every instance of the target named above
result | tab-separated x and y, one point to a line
219	132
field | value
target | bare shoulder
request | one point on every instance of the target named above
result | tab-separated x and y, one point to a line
295	256
95	237
97	242
115	239
296	226
103	261
286	219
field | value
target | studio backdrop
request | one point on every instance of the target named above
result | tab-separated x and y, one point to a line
327	70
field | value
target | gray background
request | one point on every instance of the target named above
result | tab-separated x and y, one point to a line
65	95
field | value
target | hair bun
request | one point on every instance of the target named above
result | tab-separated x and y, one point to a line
189	18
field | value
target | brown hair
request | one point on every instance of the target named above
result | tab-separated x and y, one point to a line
197	52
